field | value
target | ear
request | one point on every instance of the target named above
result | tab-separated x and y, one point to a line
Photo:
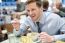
41	8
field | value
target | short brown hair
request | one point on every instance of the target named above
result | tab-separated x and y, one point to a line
45	4
38	2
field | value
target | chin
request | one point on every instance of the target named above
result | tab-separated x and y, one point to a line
34	20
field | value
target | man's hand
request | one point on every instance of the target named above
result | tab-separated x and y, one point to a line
16	24
44	37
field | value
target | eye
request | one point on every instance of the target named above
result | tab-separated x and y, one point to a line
33	9
28	10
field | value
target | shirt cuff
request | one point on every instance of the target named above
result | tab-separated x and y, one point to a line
59	37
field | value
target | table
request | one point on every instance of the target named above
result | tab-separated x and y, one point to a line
18	40
7	41
11	41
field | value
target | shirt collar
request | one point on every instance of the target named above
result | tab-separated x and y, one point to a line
41	19
38	18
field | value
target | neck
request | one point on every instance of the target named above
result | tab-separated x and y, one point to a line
39	18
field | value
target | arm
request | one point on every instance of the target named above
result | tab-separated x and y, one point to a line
61	13
59	37
60	25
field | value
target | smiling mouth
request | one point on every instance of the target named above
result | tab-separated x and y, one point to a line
32	16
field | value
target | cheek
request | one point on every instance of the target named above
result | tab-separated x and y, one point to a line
37	14
36	17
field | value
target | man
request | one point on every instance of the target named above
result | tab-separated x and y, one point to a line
45	5
58	9
20	6
50	24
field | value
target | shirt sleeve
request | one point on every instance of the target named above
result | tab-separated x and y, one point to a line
61	26
61	13
59	37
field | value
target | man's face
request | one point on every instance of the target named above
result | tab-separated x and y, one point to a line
58	5
33	11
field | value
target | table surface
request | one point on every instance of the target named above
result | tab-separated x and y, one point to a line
14	39
7	41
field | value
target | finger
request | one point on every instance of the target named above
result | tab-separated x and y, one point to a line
43	37
43	33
